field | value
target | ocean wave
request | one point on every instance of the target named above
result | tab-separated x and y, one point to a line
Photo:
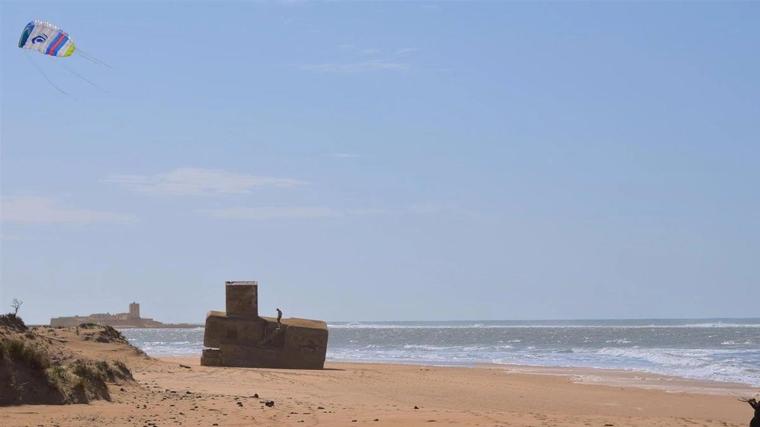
708	350
701	364
716	325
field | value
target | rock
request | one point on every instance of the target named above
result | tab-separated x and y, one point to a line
269	403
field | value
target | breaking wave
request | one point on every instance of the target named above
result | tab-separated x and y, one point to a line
725	350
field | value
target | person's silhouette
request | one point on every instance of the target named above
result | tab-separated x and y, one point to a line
756	406
279	317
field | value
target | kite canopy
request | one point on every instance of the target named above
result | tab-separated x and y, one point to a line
47	39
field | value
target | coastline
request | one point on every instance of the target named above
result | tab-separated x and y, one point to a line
581	375
698	349
637	379
577	375
349	394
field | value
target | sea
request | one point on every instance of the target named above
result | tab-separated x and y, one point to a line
726	350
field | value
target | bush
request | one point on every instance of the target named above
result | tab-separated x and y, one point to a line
92	380
58	377
84	370
109	334
19	352
123	371
12	322
89	325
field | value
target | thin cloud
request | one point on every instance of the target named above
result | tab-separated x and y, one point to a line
344	155
357	67
442	209
267	213
368	211
365	60
264	213
196	181
12	238
406	51
45	210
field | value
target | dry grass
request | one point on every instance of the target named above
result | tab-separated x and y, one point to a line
36	369
16	350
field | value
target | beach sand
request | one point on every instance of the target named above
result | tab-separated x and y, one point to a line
344	394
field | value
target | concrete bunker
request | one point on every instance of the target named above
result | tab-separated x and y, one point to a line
240	337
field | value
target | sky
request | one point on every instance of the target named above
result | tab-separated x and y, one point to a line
384	160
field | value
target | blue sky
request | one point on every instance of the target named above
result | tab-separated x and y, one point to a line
388	161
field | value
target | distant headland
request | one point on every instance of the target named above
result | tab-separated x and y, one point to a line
131	319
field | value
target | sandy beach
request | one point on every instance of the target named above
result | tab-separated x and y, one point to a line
178	391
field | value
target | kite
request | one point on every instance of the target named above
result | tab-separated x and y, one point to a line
50	40
46	39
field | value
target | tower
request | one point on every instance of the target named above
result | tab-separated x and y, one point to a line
134	310
242	299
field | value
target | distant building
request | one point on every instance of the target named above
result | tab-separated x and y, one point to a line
121	320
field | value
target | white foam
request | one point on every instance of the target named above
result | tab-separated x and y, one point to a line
707	350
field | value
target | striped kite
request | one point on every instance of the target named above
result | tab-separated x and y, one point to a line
47	39
50	40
